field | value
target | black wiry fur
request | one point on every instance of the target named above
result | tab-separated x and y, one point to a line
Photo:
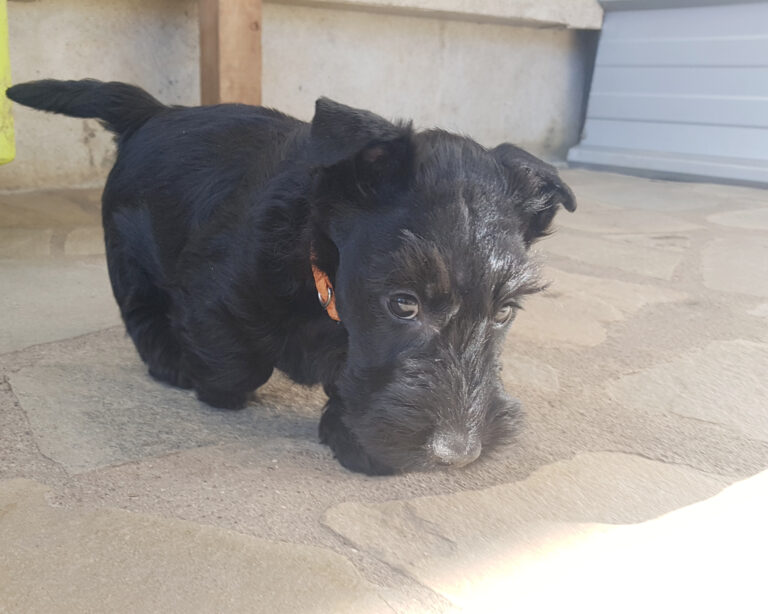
211	214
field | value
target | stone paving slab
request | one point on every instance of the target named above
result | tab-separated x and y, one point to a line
94	405
724	383
45	300
577	309
629	257
679	243
593	218
761	311
749	219
104	560
628	192
466	546
520	371
737	265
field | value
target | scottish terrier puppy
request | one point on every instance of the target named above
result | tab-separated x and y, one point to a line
224	225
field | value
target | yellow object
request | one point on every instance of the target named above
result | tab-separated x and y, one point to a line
7	146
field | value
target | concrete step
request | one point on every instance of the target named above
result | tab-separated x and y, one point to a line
51	223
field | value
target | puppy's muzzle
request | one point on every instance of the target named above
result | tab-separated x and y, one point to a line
454	448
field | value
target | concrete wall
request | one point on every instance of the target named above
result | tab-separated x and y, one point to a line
148	42
494	81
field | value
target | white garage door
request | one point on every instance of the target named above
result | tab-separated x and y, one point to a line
680	91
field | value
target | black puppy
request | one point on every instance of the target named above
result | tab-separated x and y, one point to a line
222	224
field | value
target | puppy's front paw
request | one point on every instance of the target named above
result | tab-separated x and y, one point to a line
172	377
347	450
223	400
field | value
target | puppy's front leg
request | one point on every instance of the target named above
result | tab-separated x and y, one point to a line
347	450
221	399
230	385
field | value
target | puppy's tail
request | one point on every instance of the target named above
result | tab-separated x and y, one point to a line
121	107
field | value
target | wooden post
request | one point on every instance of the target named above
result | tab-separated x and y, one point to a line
230	51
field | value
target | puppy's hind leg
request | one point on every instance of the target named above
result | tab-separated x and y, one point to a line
144	305
148	325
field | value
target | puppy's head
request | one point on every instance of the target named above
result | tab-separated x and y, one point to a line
426	238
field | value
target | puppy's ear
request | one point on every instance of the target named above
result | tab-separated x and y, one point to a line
358	146
536	189
339	132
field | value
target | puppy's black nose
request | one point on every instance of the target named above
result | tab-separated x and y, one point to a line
455	449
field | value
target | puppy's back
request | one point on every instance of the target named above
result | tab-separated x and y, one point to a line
195	169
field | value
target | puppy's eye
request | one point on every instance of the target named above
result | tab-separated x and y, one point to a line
404	306
505	314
